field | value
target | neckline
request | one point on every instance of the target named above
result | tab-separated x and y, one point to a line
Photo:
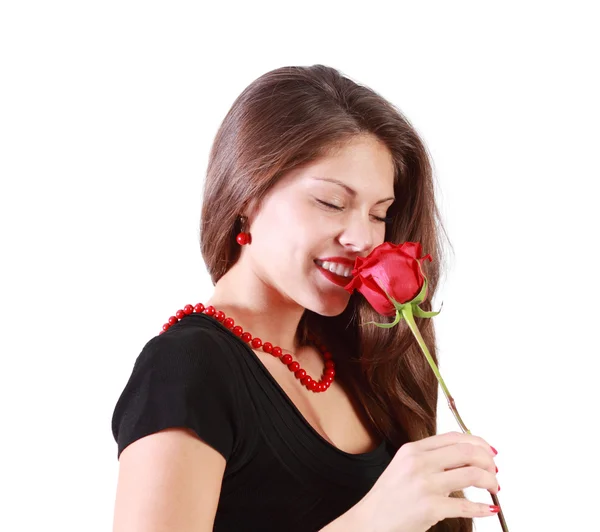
379	450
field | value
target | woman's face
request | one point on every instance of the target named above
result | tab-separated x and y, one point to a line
293	229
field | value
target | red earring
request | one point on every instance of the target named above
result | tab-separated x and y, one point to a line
243	239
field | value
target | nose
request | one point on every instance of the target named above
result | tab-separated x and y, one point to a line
357	234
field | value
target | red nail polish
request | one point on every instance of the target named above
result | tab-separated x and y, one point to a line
496	469
494	509
495	452
498	487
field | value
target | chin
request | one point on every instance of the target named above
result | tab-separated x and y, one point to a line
330	307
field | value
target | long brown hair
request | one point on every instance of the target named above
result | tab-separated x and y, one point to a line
289	117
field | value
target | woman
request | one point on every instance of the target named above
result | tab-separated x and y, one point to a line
336	429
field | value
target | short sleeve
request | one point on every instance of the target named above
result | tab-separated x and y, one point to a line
180	379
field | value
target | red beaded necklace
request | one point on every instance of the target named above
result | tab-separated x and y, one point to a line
256	343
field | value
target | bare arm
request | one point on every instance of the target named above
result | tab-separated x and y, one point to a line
169	480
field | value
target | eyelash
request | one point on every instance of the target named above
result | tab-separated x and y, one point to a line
386	220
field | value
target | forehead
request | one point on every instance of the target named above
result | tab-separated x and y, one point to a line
364	164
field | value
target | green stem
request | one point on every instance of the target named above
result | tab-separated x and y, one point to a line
407	313
408	316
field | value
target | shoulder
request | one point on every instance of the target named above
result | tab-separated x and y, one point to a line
188	377
194	346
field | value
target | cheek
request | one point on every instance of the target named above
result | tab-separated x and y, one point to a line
301	241
297	219
292	235
286	238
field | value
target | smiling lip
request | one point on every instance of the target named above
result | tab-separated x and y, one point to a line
339	260
334	277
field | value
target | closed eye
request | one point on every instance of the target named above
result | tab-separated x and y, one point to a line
330	205
386	220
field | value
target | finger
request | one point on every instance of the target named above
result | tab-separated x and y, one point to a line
451	438
455	507
458	455
464	477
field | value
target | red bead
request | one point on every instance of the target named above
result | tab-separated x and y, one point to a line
287	359
256	343
267	347
242	238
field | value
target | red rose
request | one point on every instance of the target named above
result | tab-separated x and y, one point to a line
391	279
391	268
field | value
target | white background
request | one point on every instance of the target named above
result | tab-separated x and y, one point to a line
107	114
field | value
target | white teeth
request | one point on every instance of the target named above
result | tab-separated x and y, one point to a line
338	269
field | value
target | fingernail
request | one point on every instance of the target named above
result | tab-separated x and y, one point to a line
495	452
496	469
494	509
498	487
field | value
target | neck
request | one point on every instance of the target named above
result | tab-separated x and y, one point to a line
257	308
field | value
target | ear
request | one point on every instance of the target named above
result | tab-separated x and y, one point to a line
250	210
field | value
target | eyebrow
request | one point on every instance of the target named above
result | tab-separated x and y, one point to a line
350	191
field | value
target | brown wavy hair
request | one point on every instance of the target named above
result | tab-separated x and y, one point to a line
287	118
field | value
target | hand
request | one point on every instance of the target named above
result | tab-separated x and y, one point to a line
412	494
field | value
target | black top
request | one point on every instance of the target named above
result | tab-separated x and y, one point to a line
281	474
